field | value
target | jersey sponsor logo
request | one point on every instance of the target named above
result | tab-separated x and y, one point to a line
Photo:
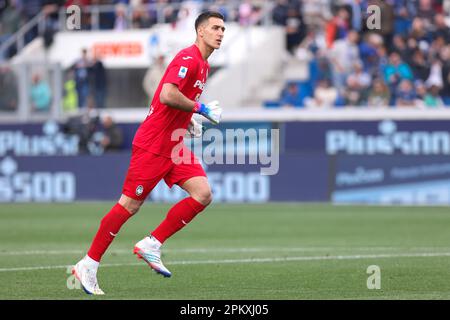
187	58
182	72
199	84
139	190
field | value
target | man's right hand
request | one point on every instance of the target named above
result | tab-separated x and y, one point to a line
210	111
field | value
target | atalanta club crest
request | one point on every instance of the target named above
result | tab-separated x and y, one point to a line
139	190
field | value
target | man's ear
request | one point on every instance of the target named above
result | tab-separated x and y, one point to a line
201	29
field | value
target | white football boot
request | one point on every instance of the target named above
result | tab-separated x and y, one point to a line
149	250
86	272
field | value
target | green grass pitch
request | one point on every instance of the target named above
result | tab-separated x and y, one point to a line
271	251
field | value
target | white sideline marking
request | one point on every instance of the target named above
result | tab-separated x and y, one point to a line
252	260
209	250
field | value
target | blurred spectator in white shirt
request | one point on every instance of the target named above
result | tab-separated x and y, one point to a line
361	77
121	22
324	96
342	56
153	76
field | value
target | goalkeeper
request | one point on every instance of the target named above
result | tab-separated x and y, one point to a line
175	101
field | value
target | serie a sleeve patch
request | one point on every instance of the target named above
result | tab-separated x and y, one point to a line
182	72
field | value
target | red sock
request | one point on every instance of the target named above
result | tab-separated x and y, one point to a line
109	227
177	217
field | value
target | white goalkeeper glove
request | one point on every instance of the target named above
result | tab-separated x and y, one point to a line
210	111
194	129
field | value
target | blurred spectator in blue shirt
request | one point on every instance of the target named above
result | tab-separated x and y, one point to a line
441	28
30	10
40	92
291	96
419	66
99	82
399	45
221	7
81	69
405	95
368	52
280	12
404	11
396	70
421	91
383	60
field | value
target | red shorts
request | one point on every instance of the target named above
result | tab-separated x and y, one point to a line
147	169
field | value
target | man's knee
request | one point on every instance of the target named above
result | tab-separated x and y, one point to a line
204	196
131	205
199	189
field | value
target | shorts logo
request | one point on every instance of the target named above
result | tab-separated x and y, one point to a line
139	190
182	72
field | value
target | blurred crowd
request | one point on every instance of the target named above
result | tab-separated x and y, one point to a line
135	14
403	62
97	132
84	97
113	15
86	83
119	14
16	13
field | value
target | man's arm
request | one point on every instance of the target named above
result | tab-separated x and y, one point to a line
172	97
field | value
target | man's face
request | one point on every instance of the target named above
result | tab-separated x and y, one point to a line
212	31
395	59
353	37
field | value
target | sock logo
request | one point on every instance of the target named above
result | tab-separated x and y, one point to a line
139	190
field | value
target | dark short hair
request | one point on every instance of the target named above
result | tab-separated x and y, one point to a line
204	16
